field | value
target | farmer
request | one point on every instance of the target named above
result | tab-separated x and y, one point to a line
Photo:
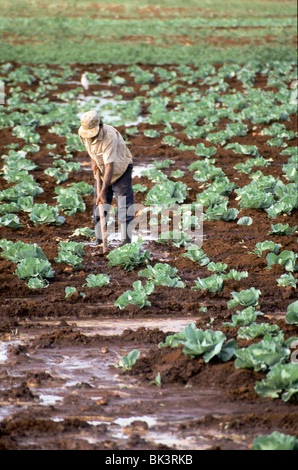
112	161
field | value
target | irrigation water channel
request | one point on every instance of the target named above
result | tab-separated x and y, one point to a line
87	374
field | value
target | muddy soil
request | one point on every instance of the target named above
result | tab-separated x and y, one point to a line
60	388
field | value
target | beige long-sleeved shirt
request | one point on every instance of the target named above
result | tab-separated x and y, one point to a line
109	147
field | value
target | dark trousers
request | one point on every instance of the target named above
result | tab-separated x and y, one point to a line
122	189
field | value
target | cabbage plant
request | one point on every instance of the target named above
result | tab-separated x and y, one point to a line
286	258
35	268
162	274
18	251
27	133
129	256
71	203
69	290
70	253
97	280
212	283
262	356
21	190
196	254
82	188
166	194
278	130
139	188
60	176
9	208
243	317
205	170
127	362
216	192
281	380
45	214
84	232
155	175
25	203
20	165
69	258
177	238
171	140
275	441
282	229
217	267
236	275
67	166
250	163
264	246
177	174
292	313
207	343
166	163
11	221
254	330
138	296
220	212
287	280
73	247
246	298
203	151
244	149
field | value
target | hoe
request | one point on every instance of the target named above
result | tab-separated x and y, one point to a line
102	218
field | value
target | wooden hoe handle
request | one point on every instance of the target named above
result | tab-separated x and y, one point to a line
102	218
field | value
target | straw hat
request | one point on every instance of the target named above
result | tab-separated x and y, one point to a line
90	122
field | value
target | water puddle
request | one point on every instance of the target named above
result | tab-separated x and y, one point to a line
138	170
143	235
104	326
82	382
109	109
47	399
114	238
4	347
171	440
71	370
3	352
149	420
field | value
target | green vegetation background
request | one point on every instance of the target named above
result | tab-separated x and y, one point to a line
155	32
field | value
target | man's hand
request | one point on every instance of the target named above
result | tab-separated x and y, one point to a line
108	174
101	198
105	184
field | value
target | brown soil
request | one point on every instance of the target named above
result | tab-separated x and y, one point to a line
59	347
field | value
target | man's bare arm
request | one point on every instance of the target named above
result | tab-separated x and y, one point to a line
108	174
93	167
